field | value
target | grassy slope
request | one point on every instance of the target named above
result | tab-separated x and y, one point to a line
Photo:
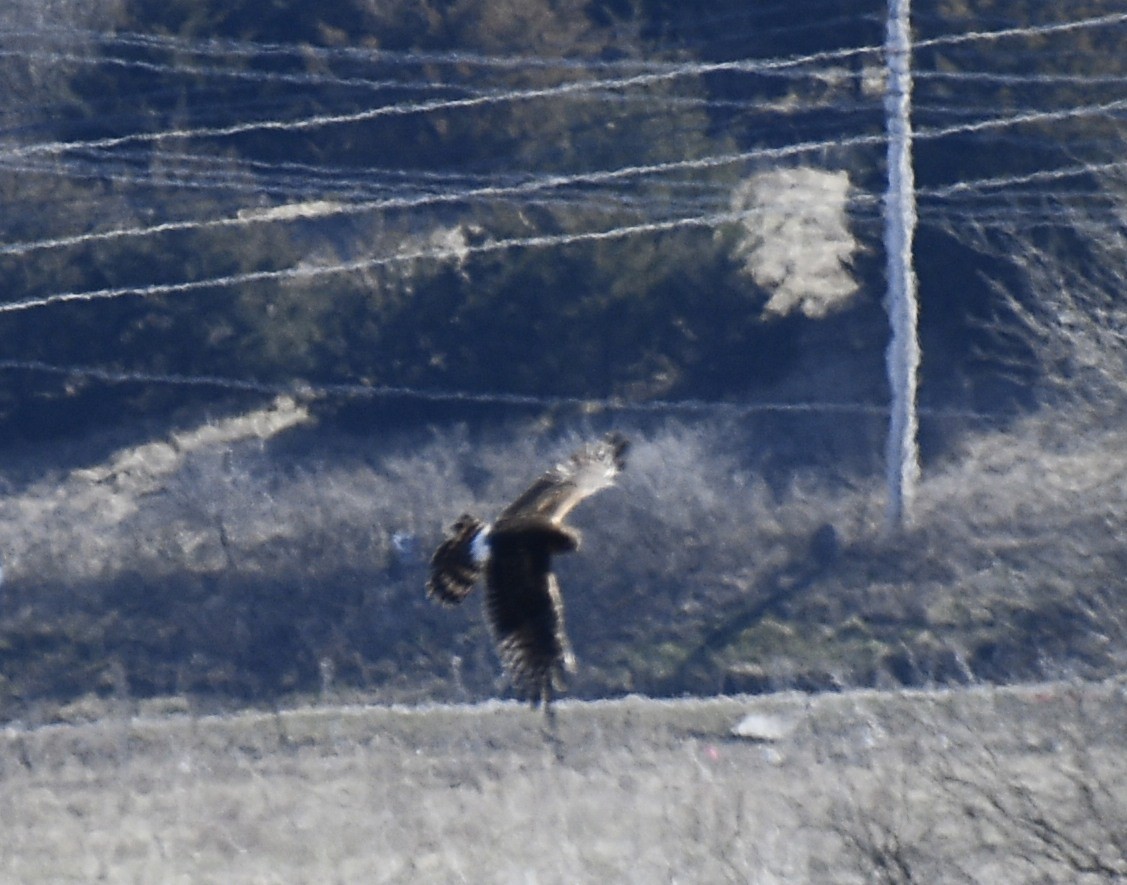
630	791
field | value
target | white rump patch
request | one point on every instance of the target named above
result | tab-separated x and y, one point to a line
479	546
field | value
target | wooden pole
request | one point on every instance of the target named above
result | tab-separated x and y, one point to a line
903	355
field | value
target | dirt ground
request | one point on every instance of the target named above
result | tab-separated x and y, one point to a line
1020	784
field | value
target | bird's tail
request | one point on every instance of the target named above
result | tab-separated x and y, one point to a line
454	568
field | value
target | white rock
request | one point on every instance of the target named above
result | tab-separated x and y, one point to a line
763	727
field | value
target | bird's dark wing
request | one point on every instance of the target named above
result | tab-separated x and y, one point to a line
525	609
583	473
453	569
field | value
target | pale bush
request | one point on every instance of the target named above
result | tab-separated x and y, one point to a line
796	243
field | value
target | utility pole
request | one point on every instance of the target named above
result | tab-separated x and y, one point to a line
903	355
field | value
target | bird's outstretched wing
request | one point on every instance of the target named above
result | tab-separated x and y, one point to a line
525	612
583	473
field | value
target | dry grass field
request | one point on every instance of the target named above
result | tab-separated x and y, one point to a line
1023	784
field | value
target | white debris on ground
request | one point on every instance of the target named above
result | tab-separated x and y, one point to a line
764	727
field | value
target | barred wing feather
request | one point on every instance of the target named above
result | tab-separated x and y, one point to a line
555	494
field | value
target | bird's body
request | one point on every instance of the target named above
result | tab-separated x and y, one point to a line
513	554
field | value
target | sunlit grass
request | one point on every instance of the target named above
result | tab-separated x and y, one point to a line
633	790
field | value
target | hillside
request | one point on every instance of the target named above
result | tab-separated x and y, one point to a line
287	289
627	200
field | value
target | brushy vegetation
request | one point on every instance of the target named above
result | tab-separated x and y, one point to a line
261	554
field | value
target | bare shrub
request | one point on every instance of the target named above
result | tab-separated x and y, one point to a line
1067	314
1041	803
257	553
1025	525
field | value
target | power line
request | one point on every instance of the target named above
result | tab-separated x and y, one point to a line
243	49
300	79
428	106
1023	79
1006	181
309	390
432	254
1037	116
1093	110
533	186
560	181
694	69
513	187
252	50
230	48
1097	21
310	272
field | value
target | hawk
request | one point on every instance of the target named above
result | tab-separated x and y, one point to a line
523	605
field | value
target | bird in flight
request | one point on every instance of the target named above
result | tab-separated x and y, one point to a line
523	605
